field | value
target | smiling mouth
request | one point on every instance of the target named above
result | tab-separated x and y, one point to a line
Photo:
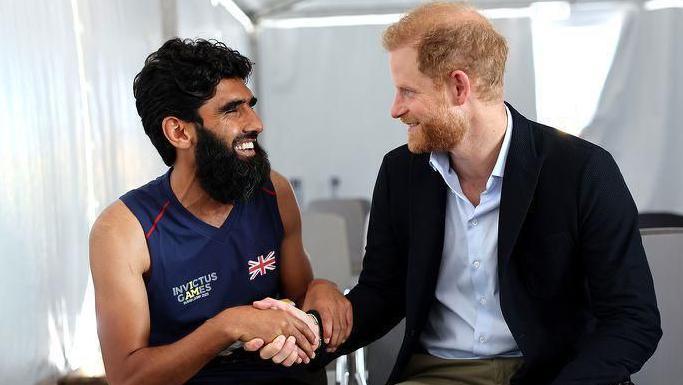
246	148
411	125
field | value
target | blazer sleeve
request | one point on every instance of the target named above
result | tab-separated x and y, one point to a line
618	277
378	300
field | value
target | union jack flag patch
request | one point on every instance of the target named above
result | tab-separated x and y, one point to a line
261	265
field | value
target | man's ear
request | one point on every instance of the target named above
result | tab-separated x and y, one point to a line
458	87
178	132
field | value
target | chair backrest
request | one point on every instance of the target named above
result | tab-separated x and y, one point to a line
664	249
659	220
354	212
325	240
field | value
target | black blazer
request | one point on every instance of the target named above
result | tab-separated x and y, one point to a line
575	286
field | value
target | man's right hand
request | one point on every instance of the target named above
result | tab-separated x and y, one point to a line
246	323
280	348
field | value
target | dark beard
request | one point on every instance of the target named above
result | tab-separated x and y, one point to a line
223	174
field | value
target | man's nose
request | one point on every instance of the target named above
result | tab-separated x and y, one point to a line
397	107
255	123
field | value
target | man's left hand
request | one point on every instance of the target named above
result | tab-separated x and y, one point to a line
335	310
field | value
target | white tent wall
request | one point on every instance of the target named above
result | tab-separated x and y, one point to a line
211	20
573	52
118	36
325	99
71	142
38	129
326	96
639	116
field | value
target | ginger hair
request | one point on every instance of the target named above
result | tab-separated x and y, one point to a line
453	36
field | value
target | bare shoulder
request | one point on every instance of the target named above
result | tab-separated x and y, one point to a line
281	184
116	223
289	209
117	234
283	189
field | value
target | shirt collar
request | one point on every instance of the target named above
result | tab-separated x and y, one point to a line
499	168
441	163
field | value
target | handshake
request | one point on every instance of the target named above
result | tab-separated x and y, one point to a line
287	335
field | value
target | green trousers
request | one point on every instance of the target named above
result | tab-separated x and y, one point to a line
424	369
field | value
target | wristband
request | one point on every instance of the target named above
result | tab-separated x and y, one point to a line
318	321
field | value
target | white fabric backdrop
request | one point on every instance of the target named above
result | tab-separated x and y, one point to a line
639	116
42	147
72	140
573	52
202	19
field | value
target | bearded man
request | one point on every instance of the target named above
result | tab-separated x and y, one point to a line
178	262
511	249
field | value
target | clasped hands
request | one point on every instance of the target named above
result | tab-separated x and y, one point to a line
337	321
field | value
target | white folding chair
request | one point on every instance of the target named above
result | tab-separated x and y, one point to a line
325	240
664	250
354	212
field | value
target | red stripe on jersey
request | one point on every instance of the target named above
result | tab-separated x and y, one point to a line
157	219
268	191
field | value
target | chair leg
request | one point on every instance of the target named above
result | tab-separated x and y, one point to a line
360	373
342	371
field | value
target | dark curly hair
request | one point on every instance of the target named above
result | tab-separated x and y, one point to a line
178	79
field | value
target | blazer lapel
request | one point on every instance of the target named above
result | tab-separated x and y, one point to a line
427	223
522	168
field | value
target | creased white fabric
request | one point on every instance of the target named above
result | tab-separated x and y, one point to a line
71	142
639	118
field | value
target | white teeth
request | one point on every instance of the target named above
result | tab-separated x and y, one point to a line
245	146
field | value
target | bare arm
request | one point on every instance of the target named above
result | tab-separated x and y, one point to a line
118	260
296	272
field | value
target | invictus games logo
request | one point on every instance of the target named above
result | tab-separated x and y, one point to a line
195	289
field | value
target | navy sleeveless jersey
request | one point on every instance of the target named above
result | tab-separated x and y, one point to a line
198	270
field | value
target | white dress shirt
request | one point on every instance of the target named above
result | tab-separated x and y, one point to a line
466	320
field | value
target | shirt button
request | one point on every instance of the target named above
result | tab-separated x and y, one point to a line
482	301
476	264
482	339
475	222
